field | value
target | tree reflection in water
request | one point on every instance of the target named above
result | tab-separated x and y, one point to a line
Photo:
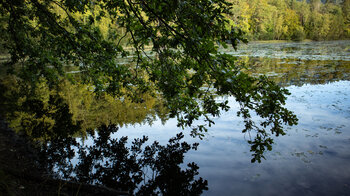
139	169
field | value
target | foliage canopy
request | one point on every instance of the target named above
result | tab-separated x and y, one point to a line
175	53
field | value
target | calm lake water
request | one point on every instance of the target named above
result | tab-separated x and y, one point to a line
312	159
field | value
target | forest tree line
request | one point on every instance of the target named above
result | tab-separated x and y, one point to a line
292	19
277	19
258	19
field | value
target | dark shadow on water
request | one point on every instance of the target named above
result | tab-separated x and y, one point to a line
138	169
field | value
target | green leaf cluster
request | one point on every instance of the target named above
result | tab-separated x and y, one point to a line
174	46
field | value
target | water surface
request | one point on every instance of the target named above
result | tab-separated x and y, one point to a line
313	158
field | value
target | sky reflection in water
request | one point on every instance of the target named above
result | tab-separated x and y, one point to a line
312	159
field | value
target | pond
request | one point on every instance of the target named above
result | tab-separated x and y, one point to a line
311	159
